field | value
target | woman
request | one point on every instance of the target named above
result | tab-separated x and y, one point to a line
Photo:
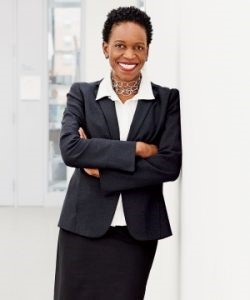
123	136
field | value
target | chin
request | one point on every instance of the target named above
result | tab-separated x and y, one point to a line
127	77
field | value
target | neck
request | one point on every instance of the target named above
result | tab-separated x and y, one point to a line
126	88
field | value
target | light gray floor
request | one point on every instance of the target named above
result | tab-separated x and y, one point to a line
28	237
27	252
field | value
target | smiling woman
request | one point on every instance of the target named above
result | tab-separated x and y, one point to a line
126	56
123	136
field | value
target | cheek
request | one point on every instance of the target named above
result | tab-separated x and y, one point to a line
112	62
112	57
143	59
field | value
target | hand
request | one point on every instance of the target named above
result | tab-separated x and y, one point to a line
89	171
92	172
145	150
82	133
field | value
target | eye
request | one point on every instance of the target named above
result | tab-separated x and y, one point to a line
119	46
139	48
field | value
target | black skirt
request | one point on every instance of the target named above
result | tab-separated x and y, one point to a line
113	267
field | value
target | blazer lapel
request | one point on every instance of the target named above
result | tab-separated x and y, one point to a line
108	108
141	112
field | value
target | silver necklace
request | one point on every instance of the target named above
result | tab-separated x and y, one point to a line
126	88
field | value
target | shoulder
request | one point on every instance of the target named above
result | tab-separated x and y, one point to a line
84	90
163	92
85	86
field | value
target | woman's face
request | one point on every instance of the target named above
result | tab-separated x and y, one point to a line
127	50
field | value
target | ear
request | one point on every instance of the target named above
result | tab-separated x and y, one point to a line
105	48
147	53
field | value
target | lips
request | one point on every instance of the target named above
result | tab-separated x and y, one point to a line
127	67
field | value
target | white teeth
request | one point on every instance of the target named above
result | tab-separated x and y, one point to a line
128	67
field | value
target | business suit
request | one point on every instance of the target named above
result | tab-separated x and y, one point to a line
90	202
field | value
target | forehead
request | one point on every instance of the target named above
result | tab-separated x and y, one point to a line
128	31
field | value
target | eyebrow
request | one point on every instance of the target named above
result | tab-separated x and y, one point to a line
121	41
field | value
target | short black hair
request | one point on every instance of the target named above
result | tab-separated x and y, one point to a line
127	14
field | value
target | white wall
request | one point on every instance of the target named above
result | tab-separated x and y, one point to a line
31	114
23	123
7	104
214	84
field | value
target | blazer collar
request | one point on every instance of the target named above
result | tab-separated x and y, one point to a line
145	91
109	112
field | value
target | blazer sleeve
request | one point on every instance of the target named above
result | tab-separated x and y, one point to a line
162	167
92	152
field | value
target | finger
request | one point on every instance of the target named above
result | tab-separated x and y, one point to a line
85	170
83	133
94	172
88	171
91	172
80	133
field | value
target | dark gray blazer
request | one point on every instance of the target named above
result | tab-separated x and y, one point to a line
90	202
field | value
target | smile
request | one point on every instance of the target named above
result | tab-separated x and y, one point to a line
127	67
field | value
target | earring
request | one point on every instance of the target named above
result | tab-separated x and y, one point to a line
106	56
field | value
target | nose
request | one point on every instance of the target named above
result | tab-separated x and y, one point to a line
129	53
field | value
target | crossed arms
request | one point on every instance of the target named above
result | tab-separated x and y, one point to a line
142	149
121	165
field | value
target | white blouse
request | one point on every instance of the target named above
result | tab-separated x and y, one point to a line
125	113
